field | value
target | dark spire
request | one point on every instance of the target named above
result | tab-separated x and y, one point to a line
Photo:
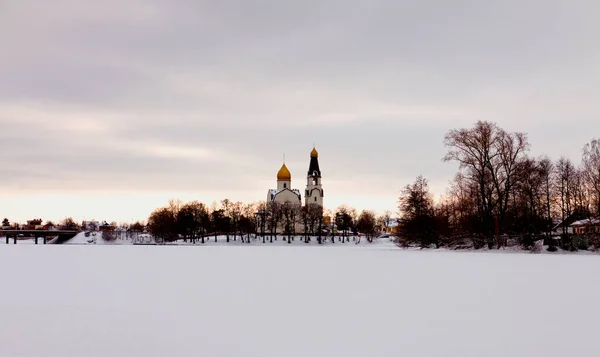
313	168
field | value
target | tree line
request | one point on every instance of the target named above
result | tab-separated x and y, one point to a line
197	222
500	192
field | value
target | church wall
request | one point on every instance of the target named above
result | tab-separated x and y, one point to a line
314	192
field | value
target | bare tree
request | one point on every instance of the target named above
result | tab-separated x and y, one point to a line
219	221
315	220
581	203
303	218
546	171
226	207
287	209
527	208
417	214
354	221
262	210
565	173
109	235
274	215
295	218
489	157
463	199
367	224
69	224
511	150
191	219
344	221
248	221
235	211
591	169
162	224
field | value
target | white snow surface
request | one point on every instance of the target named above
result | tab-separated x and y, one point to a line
294	301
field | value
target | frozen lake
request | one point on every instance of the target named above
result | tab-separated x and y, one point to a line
282	301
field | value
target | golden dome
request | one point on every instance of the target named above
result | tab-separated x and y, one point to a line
284	174
314	153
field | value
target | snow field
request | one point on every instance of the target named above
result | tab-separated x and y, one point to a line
275	301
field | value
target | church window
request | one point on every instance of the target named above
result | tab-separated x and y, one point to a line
314	181
285	185
315	198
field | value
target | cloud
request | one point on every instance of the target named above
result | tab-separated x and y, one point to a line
204	96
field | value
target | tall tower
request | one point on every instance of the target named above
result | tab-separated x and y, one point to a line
314	190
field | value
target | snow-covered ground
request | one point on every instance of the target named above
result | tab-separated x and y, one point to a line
300	301
96	238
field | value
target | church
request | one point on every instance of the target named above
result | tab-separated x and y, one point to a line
285	193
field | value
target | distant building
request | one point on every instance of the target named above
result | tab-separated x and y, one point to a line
105	226
586	226
33	224
285	193
566	225
391	228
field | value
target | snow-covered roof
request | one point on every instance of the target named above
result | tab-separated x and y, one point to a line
586	222
273	192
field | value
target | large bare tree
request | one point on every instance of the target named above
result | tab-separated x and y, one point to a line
162	224
489	157
191	218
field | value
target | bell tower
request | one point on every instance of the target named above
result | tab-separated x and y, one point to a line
314	189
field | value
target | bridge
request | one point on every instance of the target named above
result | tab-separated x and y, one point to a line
37	234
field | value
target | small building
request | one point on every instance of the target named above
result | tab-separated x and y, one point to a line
33	224
391	228
49	226
106	227
558	227
586	226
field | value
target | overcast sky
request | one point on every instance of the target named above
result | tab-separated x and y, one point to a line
109	108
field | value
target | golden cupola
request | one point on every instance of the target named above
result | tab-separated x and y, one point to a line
314	152
284	174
